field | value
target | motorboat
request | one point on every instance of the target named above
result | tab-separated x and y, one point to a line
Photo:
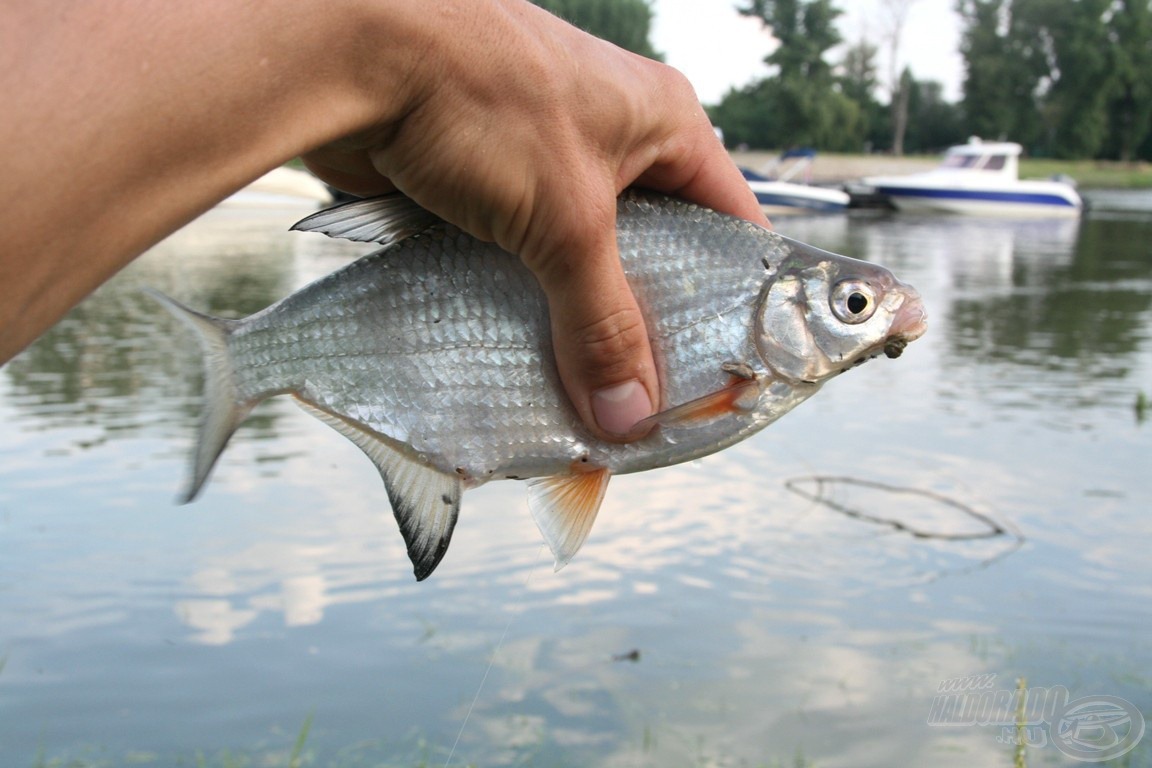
777	194
980	178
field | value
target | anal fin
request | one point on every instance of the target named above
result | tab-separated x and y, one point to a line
425	500
564	508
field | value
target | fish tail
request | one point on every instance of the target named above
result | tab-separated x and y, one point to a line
223	407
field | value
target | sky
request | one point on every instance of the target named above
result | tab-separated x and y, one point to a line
716	48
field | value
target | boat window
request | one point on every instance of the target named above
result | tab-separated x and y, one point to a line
995	163
960	161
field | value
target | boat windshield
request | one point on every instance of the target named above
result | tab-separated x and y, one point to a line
960	161
975	162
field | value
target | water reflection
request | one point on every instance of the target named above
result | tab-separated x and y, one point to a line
769	626
115	352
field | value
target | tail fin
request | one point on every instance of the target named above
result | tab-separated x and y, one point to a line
223	410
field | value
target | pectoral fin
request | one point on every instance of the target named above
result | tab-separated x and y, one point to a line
425	500
565	507
739	396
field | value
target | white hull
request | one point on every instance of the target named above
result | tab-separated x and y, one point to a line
783	197
980	180
981	207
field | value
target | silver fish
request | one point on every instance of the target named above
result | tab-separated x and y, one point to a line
434	356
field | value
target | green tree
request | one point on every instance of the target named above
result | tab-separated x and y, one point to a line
1067	78
859	81
744	115
1003	72
774	113
1077	77
626	23
1130	105
858	78
933	123
801	103
806	30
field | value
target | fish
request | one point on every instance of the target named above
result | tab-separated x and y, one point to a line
433	354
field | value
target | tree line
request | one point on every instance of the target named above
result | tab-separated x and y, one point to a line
1065	78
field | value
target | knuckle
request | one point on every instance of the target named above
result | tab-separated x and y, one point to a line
609	343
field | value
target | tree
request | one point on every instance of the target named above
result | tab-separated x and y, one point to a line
626	23
746	117
901	93
801	103
933	123
777	113
806	30
1003	70
858	81
1130	105
897	11
1077	77
1067	78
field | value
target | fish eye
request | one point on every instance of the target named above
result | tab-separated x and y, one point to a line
853	301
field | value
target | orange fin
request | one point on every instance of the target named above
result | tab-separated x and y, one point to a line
565	507
739	396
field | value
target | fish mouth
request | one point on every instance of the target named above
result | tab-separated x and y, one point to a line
910	323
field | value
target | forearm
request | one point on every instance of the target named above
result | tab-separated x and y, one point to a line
518	128
124	121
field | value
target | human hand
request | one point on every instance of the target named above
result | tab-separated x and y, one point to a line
522	130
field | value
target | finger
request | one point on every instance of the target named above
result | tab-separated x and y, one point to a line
706	175
690	162
717	183
599	336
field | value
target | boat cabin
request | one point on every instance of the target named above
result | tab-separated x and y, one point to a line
1000	157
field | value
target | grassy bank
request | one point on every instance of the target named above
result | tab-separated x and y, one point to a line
1092	174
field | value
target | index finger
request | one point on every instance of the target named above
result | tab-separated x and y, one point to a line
714	183
691	162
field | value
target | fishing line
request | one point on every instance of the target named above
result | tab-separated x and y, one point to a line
491	663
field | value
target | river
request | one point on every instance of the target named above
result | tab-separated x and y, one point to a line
972	517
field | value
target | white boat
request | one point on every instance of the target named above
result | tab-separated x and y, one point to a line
777	195
983	179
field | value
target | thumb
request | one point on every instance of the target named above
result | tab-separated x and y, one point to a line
599	336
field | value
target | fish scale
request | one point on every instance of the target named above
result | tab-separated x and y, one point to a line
434	355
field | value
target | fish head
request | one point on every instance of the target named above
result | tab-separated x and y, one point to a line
821	314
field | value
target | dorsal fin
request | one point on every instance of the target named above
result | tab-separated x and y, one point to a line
424	500
386	220
564	507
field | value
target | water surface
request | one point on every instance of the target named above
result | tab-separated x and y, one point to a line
729	612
